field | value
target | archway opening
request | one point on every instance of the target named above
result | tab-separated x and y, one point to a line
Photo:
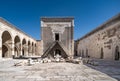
102	54
23	47
5	52
17	46
117	53
32	49
6	45
23	53
29	48
16	52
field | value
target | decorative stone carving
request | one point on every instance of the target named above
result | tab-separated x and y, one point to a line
56	24
58	29
111	32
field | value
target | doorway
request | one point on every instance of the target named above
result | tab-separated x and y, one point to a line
117	53
102	54
57	51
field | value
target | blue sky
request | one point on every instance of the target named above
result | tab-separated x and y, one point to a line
88	14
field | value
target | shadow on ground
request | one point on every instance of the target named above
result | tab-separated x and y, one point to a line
111	68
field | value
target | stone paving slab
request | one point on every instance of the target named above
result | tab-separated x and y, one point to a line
57	72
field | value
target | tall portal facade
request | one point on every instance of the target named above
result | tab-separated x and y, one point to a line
57	36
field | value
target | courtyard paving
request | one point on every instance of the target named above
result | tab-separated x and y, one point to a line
106	71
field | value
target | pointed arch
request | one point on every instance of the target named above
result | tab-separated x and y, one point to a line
24	43
6	44
101	54
17	46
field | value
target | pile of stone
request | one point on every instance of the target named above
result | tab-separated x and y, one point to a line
30	62
78	60
46	60
58	58
22	63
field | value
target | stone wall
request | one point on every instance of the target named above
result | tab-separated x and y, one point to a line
39	48
14	42
63	26
103	42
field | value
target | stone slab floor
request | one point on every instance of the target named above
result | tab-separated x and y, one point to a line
106	71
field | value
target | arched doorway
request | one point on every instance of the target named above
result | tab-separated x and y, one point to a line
102	54
6	45
117	53
23	53
29	48
76	54
16	51
32	49
35	50
17	46
23	47
5	52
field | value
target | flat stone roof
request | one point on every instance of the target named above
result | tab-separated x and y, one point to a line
57	19
13	27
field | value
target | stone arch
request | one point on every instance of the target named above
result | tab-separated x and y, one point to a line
32	48
6	44
6	35
23	52
5	51
17	39
23	41
117	53
29	48
16	51
35	49
101	53
24	47
17	46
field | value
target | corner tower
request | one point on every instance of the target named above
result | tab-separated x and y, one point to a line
57	36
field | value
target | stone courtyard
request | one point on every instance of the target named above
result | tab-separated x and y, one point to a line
63	71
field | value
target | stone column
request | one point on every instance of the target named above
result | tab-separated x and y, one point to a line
30	50
21	49
0	48
33	50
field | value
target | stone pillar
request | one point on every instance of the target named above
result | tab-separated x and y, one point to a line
30	52
33	50
12	46
21	49
0	48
